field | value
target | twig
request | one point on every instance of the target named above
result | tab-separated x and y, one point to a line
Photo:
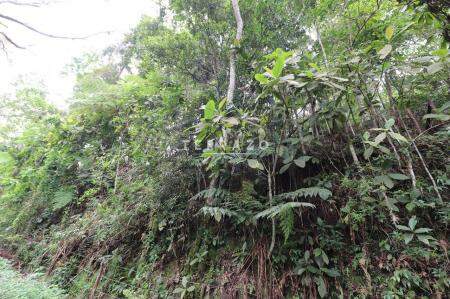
9	40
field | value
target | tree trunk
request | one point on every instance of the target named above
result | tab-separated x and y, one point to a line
240	26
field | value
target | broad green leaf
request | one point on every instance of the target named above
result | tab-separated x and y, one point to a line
210	108
398	176
389	123
380	138
262	79
324	194
301	162
384	149
389	33
222	103
284	168
398	137
408	238
321	287
255	164
279	65
317	252
178	290
440	117
402	227
412	223
425	239
331	272
368	152
384	180
422	230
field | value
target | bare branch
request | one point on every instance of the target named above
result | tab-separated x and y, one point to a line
43	33
33	4
9	40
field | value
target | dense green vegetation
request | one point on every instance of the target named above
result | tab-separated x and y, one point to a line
15	286
325	172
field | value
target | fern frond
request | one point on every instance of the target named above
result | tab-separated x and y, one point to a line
215	193
218	213
287	222
306	192
275	210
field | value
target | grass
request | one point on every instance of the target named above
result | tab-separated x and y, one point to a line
14	285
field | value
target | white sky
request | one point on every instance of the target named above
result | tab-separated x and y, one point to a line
45	58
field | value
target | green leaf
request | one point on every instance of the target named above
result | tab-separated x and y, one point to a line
279	65
255	164
301	162
368	152
440	117
412	223
380	138
402	227
222	103
425	239
408	238
385	180
284	168
440	52
398	137
389	123
317	252
210	108
389	33
324	194
178	290
331	272
384	149
321	287
262	79
398	176
422	230
191	288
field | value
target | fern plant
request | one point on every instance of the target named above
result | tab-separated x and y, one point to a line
285	212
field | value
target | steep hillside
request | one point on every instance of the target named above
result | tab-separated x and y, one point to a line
323	172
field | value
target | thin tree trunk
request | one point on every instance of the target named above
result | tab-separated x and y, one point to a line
319	39
240	26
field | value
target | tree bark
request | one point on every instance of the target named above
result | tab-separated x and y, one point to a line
240	26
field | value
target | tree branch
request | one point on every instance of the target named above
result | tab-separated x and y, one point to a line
33	4
9	40
43	33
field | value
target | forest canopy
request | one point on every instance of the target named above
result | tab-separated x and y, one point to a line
241	149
